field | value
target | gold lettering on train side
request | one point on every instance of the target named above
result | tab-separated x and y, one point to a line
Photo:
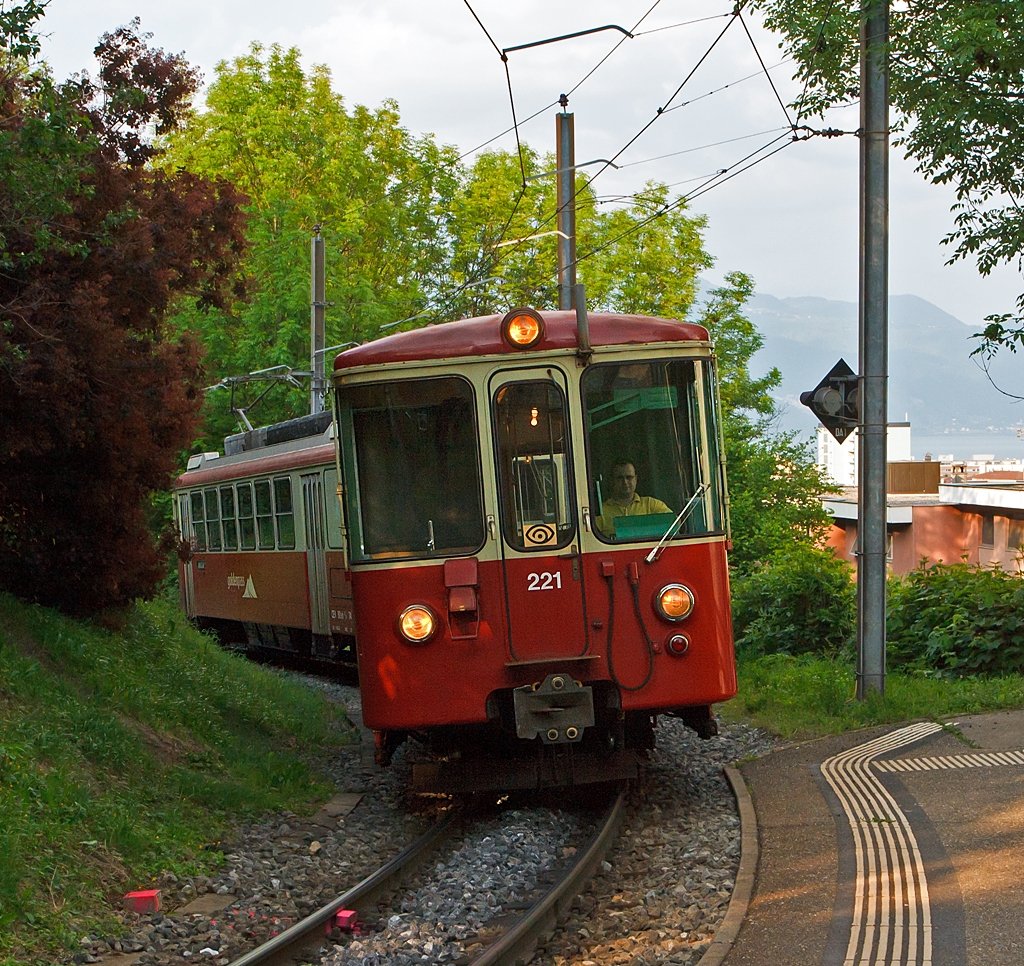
235	581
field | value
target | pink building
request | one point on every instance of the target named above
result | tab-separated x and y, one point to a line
977	521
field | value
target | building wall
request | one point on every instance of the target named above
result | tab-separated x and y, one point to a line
938	534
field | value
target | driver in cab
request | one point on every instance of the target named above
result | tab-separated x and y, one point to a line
625	501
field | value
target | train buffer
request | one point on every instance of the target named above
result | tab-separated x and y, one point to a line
894	845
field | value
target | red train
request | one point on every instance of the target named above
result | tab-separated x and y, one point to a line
530	533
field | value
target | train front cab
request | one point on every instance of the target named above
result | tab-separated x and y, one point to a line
503	601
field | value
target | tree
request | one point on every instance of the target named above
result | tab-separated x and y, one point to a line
96	401
282	136
956	82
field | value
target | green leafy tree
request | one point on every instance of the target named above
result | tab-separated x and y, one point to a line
633	264
956	84
284	138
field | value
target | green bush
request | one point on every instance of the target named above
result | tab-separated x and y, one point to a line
801	600
955	620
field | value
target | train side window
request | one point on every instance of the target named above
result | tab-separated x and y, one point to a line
333	509
212	520
198	519
264	515
533	465
227	517
284	513
246	524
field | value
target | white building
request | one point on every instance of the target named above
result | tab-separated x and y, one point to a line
839	460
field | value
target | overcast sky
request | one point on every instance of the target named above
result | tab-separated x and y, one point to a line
791	221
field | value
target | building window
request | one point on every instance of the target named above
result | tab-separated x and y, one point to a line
1014	534
988	531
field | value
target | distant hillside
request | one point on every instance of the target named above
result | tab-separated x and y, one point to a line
931	375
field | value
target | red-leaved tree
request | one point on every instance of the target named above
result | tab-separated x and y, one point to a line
96	401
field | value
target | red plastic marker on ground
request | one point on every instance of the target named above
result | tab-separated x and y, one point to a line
143	901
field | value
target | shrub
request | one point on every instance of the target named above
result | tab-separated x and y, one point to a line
956	620
801	600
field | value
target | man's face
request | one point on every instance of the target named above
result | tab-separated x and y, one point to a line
624	482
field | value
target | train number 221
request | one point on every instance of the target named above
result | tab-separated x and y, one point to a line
544	581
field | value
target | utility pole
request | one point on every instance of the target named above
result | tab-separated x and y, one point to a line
566	199
874	339
317	337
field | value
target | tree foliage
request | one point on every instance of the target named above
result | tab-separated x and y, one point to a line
287	140
95	400
803	601
956	620
957	86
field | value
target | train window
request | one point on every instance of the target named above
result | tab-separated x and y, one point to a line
530	425
652	448
212	520
227	517
246	525
198	519
412	468
333	509
284	513
264	515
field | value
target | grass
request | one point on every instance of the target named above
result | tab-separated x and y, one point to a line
811	696
125	753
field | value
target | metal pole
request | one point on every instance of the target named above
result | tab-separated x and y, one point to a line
874	292
566	200
317	338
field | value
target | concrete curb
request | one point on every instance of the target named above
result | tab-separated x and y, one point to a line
744	889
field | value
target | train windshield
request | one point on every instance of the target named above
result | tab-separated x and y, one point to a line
653	449
412	468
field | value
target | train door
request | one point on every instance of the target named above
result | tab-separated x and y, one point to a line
539	531
187	531
316	556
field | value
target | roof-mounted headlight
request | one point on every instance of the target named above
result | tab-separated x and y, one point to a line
522	328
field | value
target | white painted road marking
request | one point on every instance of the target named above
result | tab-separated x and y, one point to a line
892	923
987	760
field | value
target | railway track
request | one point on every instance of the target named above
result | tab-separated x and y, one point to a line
513	938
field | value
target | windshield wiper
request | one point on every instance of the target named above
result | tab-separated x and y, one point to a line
676	523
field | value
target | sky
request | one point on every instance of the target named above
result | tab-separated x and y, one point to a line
790	221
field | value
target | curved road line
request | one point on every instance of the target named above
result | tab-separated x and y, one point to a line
891	910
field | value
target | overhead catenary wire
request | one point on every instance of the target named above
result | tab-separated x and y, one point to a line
767	75
714	182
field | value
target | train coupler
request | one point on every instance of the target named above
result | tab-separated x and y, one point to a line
558	709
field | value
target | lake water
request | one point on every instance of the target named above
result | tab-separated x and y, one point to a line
964	446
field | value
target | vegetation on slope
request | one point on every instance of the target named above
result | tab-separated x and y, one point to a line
128	752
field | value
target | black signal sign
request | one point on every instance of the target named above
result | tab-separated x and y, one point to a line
835	401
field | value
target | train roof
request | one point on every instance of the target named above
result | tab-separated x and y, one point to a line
278	458
482	337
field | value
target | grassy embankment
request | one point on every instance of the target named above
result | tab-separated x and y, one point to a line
126	753
810	696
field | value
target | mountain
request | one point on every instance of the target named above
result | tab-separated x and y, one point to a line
932	378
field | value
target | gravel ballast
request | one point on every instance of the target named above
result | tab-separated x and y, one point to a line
658	898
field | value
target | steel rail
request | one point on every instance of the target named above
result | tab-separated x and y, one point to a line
308	934
516	944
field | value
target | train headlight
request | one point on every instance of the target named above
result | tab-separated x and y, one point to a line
674	602
522	328
417	624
